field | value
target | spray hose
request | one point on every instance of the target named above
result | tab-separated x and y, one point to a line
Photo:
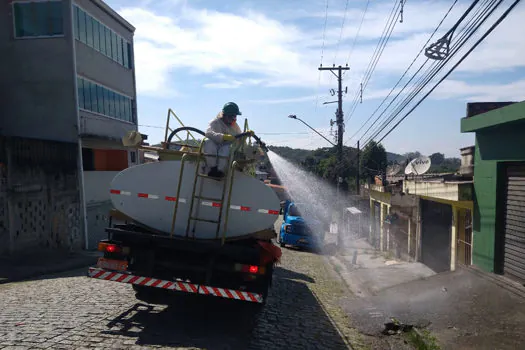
259	141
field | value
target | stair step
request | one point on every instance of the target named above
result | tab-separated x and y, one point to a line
209	199
205	220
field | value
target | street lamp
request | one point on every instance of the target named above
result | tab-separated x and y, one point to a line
293	116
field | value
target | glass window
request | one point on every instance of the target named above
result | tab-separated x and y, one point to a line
54	24
75	22
123	114
102	38
130	56
125	54
100	99
133	119
96	37
114	46
108	42
94	101
107	102
111	104
117	105
80	88
82	25
127	112
89	30
87	95
119	50
34	19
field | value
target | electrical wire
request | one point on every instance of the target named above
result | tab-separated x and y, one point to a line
322	55
404	74
389	27
481	39
435	68
358	32
341	32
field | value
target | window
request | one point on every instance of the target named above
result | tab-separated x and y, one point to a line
114	48
82	25
120	43
107	102
108	42
87	95
125	54
102	39
38	19
80	88
76	23
89	30
96	37
99	99
99	37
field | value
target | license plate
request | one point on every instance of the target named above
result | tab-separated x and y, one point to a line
119	265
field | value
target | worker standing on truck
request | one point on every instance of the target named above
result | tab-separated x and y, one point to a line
221	133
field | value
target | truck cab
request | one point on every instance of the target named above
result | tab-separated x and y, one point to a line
300	227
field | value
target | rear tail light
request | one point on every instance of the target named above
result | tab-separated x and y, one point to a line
253	269
112	248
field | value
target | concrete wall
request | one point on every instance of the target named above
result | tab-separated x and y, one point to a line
494	145
43	201
453	191
96	185
38	82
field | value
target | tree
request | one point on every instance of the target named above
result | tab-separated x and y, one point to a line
437	158
373	160
412	155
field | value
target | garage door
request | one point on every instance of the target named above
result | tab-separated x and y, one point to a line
436	235
514	258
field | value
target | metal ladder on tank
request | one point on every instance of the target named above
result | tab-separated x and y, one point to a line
197	199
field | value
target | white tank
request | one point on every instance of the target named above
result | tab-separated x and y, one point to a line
147	194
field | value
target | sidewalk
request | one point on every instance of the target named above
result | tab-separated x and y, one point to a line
22	267
463	309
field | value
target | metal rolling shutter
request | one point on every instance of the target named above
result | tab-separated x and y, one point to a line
514	260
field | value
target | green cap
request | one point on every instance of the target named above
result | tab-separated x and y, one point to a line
231	108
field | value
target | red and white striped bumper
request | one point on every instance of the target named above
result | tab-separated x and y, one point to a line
174	285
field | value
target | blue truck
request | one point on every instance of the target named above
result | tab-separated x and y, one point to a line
301	227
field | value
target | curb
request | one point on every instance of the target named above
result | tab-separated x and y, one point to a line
56	268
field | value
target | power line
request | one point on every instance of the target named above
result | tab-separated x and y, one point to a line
424	79
358	31
427	77
434	69
389	27
500	19
402	76
322	56
341	32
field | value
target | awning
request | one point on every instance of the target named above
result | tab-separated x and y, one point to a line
354	210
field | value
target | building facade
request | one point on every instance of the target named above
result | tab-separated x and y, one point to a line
499	186
68	83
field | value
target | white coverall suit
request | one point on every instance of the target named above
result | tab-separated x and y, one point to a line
215	143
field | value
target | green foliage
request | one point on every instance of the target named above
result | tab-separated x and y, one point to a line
373	160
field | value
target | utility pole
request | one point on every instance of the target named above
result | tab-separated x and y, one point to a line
358	188
340	130
339	114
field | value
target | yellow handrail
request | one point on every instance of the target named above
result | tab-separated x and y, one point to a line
168	129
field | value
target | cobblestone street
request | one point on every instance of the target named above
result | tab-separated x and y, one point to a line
71	311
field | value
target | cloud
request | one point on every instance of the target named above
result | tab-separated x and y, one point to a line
514	91
311	98
285	53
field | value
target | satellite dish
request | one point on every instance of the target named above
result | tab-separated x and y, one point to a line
419	166
408	169
392	170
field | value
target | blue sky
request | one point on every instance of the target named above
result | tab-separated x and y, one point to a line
193	56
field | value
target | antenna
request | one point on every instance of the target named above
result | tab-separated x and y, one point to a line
420	165
394	169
